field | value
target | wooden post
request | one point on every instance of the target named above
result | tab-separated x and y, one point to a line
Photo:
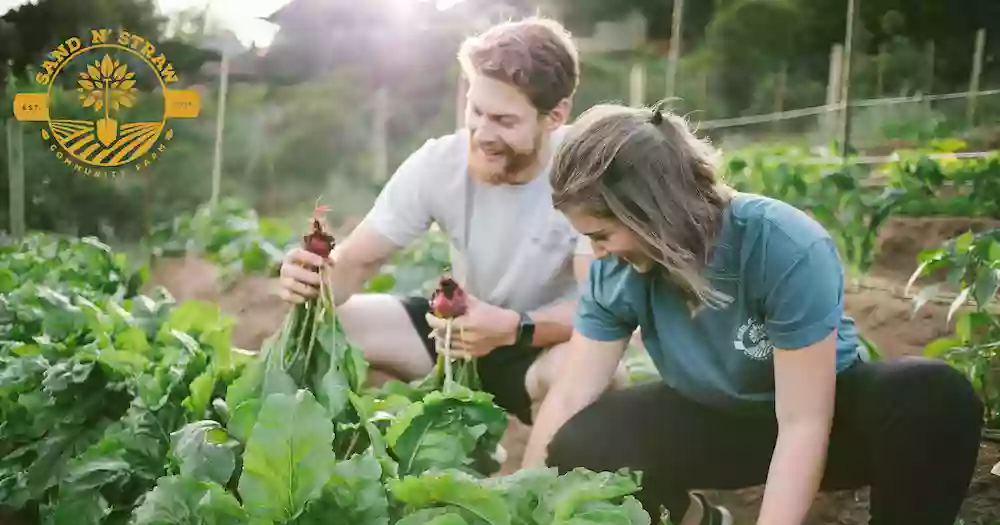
637	85
977	71
15	169
380	139
929	89
675	47
829	119
845	80
880	62
779	92
220	123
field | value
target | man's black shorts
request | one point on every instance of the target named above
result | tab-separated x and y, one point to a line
502	371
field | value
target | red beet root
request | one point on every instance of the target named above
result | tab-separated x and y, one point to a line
318	241
449	300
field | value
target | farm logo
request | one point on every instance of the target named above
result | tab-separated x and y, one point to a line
113	122
751	339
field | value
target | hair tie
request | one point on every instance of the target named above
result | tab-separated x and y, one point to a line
657	117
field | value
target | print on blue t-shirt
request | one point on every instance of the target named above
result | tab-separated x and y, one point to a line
784	274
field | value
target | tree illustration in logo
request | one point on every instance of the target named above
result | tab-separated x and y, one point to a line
107	84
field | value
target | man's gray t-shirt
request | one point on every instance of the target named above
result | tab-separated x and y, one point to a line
510	247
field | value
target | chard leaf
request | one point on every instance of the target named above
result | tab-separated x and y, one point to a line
354	495
205	451
288	458
179	500
573	490
450	429
454	488
200	397
447	515
78	508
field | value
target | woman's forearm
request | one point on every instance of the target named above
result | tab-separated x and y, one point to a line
796	471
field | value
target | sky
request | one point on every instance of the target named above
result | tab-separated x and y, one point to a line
240	16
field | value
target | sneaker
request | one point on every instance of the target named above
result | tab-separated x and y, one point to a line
702	512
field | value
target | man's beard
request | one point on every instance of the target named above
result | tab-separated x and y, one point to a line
510	168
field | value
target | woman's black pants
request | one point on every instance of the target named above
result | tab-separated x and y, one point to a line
909	428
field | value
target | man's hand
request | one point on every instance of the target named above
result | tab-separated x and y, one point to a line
299	278
483	328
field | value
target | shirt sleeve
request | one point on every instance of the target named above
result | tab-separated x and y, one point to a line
804	302
602	314
401	211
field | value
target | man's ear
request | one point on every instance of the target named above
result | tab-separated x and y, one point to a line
559	114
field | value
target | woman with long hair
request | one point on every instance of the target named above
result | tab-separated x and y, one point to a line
739	300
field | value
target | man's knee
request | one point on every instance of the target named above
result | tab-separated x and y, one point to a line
382	328
545	370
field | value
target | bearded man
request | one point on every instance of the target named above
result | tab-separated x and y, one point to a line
487	187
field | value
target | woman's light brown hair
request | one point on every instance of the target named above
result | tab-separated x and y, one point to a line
645	169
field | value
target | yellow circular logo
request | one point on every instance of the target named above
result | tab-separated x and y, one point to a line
120	108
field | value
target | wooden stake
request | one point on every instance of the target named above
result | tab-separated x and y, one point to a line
15	167
675	47
845	81
977	71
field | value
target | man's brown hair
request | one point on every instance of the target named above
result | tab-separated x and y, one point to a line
537	55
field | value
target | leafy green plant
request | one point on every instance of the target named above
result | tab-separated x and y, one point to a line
841	200
229	234
971	264
93	377
299	438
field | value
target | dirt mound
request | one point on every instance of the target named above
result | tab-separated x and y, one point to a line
885	316
252	300
901	239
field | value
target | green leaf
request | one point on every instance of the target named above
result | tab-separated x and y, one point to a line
205	451
288	458
939	347
382	283
78	508
573	490
133	339
963	327
450	487
200	396
446	430
986	286
994	251
355	494
963	242
179	500
243	419
434	516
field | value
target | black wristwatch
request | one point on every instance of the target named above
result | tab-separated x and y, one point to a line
525	331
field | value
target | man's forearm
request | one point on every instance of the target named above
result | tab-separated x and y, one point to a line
348	277
553	323
794	478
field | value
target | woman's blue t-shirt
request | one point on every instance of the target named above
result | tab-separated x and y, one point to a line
786	279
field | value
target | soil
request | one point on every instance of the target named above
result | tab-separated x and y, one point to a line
877	303
901	239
